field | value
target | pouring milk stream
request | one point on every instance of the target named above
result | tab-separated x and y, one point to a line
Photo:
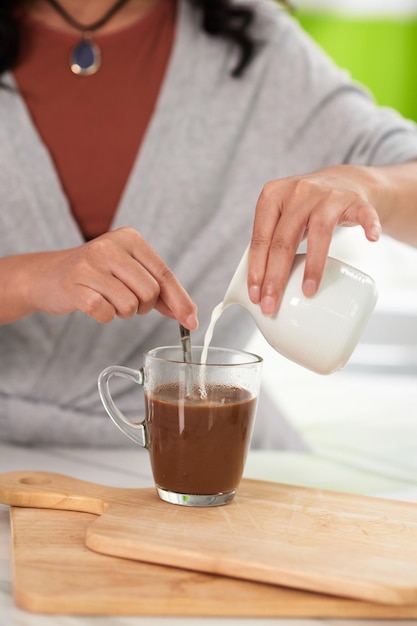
320	332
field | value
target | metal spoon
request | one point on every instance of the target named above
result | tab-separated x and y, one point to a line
186	343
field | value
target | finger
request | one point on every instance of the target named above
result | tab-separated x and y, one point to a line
143	288
157	292
163	308
368	218
95	305
177	300
321	227
280	261
280	224
122	280
286	238
267	214
171	292
115	291
137	266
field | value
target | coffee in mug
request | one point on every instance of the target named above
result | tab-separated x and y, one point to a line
199	418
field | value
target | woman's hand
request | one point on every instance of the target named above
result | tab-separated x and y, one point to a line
310	206
116	274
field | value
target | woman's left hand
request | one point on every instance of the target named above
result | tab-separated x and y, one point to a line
310	206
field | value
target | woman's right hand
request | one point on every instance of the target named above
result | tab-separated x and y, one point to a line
116	274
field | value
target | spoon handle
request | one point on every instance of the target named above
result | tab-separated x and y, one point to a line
186	343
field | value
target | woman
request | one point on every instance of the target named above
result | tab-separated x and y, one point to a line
136	137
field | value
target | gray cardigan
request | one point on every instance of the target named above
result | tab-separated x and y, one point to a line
212	143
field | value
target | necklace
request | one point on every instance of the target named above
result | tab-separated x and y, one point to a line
85	58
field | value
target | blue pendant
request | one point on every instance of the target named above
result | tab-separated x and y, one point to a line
85	58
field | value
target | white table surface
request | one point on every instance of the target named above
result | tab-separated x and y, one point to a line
131	468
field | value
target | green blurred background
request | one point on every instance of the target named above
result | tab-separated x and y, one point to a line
378	48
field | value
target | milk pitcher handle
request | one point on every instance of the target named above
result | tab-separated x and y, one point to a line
136	432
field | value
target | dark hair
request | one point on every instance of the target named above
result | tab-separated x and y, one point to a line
220	18
9	34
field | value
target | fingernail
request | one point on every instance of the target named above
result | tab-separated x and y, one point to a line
309	287
375	233
268	305
192	322
255	293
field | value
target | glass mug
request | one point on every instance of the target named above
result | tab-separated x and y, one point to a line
198	422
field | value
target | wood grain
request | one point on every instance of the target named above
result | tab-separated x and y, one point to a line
54	573
323	541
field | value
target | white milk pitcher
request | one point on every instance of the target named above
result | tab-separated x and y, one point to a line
319	332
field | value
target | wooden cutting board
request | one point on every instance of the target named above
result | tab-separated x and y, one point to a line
334	543
55	573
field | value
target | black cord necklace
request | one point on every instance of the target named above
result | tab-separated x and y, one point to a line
85	58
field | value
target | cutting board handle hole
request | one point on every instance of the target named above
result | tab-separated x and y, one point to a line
35	480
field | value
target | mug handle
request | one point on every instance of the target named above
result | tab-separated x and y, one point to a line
136	432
